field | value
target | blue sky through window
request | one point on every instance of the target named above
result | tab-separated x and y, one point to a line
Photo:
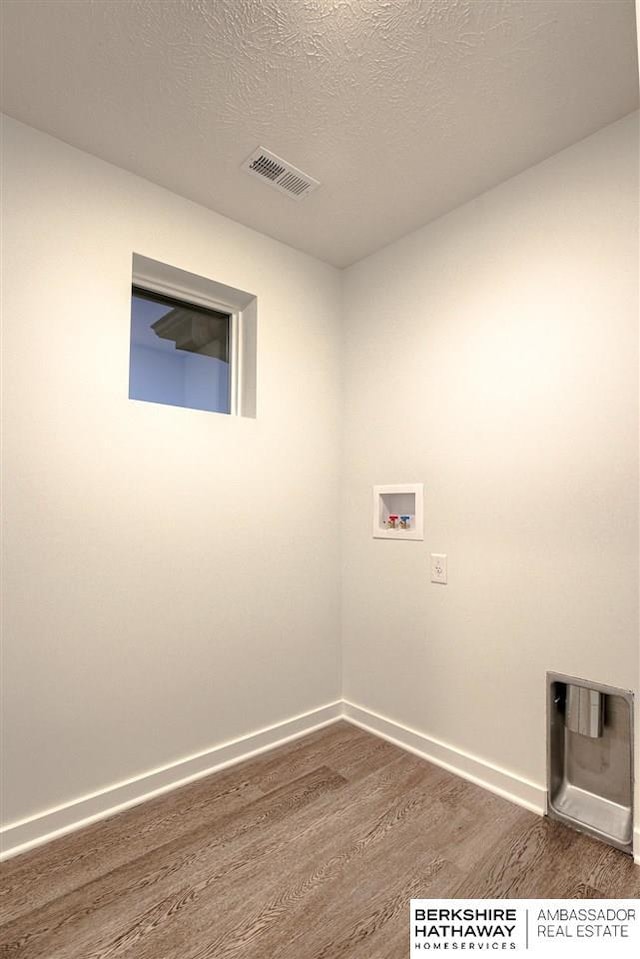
160	371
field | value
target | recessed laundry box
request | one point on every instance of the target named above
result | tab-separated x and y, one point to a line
398	511
590	758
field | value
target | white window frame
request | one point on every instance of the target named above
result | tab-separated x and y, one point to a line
167	281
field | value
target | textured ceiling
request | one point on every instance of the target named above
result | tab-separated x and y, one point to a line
402	108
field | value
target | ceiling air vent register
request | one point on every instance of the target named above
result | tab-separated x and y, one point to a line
279	174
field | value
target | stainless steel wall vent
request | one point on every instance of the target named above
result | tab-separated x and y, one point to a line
280	174
590	758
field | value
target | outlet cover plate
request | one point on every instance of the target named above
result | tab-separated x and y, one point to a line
439	568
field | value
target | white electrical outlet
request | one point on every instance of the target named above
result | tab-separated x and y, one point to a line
439	568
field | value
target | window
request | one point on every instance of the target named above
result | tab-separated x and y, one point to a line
193	340
180	353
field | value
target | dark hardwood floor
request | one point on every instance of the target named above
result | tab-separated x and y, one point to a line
311	851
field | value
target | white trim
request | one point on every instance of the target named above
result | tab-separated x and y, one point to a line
177	292
21	836
235	363
636	845
515	788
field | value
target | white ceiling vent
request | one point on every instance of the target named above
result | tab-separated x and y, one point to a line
279	174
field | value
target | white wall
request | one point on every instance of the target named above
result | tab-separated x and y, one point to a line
494	356
157	600
157	603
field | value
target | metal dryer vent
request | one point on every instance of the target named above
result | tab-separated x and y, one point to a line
590	758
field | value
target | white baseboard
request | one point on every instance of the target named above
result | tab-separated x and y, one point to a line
506	784
20	836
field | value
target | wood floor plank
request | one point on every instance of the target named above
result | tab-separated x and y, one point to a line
136	891
139	883
581	891
256	897
78	858
259	863
536	858
311	851
367	899
350	752
380	924
33	879
615	876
